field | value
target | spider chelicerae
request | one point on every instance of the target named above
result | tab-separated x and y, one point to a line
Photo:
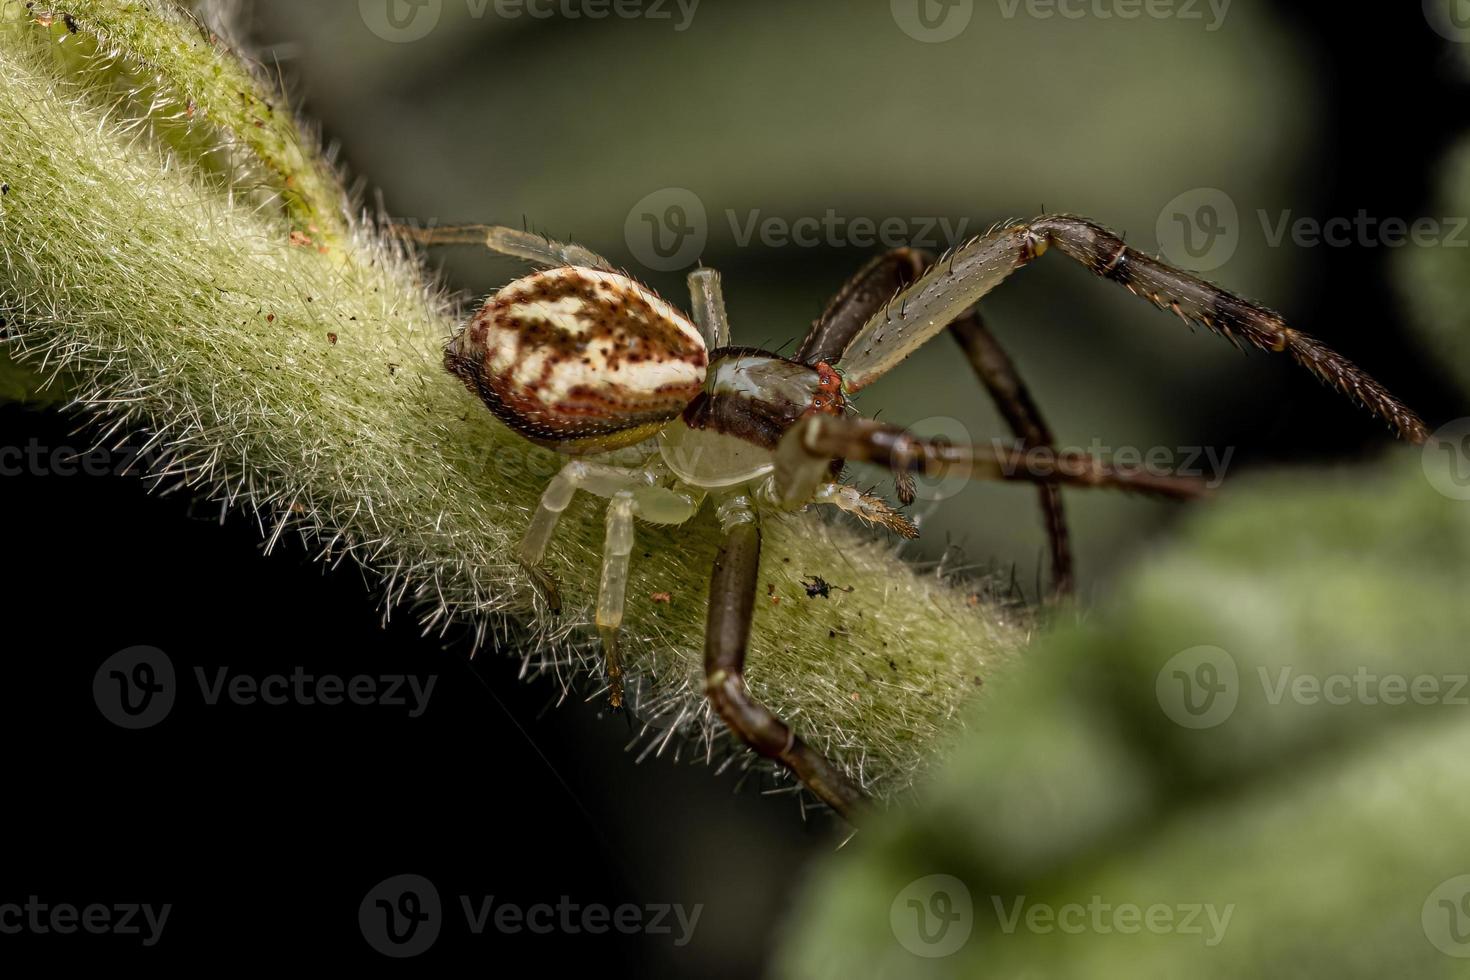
588	361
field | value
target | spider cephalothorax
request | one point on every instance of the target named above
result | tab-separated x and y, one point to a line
586	360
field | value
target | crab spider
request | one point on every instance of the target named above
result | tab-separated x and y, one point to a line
588	361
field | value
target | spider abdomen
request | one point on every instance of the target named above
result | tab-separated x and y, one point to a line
580	359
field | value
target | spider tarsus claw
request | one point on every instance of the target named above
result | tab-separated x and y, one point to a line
545	584
905	487
614	661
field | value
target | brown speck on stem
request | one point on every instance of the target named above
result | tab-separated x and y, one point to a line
662	597
332	339
819	588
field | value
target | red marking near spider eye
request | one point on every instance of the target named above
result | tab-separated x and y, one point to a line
828	398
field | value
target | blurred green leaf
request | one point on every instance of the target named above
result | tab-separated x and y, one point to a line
1435	279
1211	777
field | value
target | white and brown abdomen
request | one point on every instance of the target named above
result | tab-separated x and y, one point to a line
581	360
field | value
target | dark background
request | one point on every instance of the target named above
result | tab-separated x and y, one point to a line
265	826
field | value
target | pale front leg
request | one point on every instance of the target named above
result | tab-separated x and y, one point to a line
508	241
605	481
657	505
613	590
632	493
